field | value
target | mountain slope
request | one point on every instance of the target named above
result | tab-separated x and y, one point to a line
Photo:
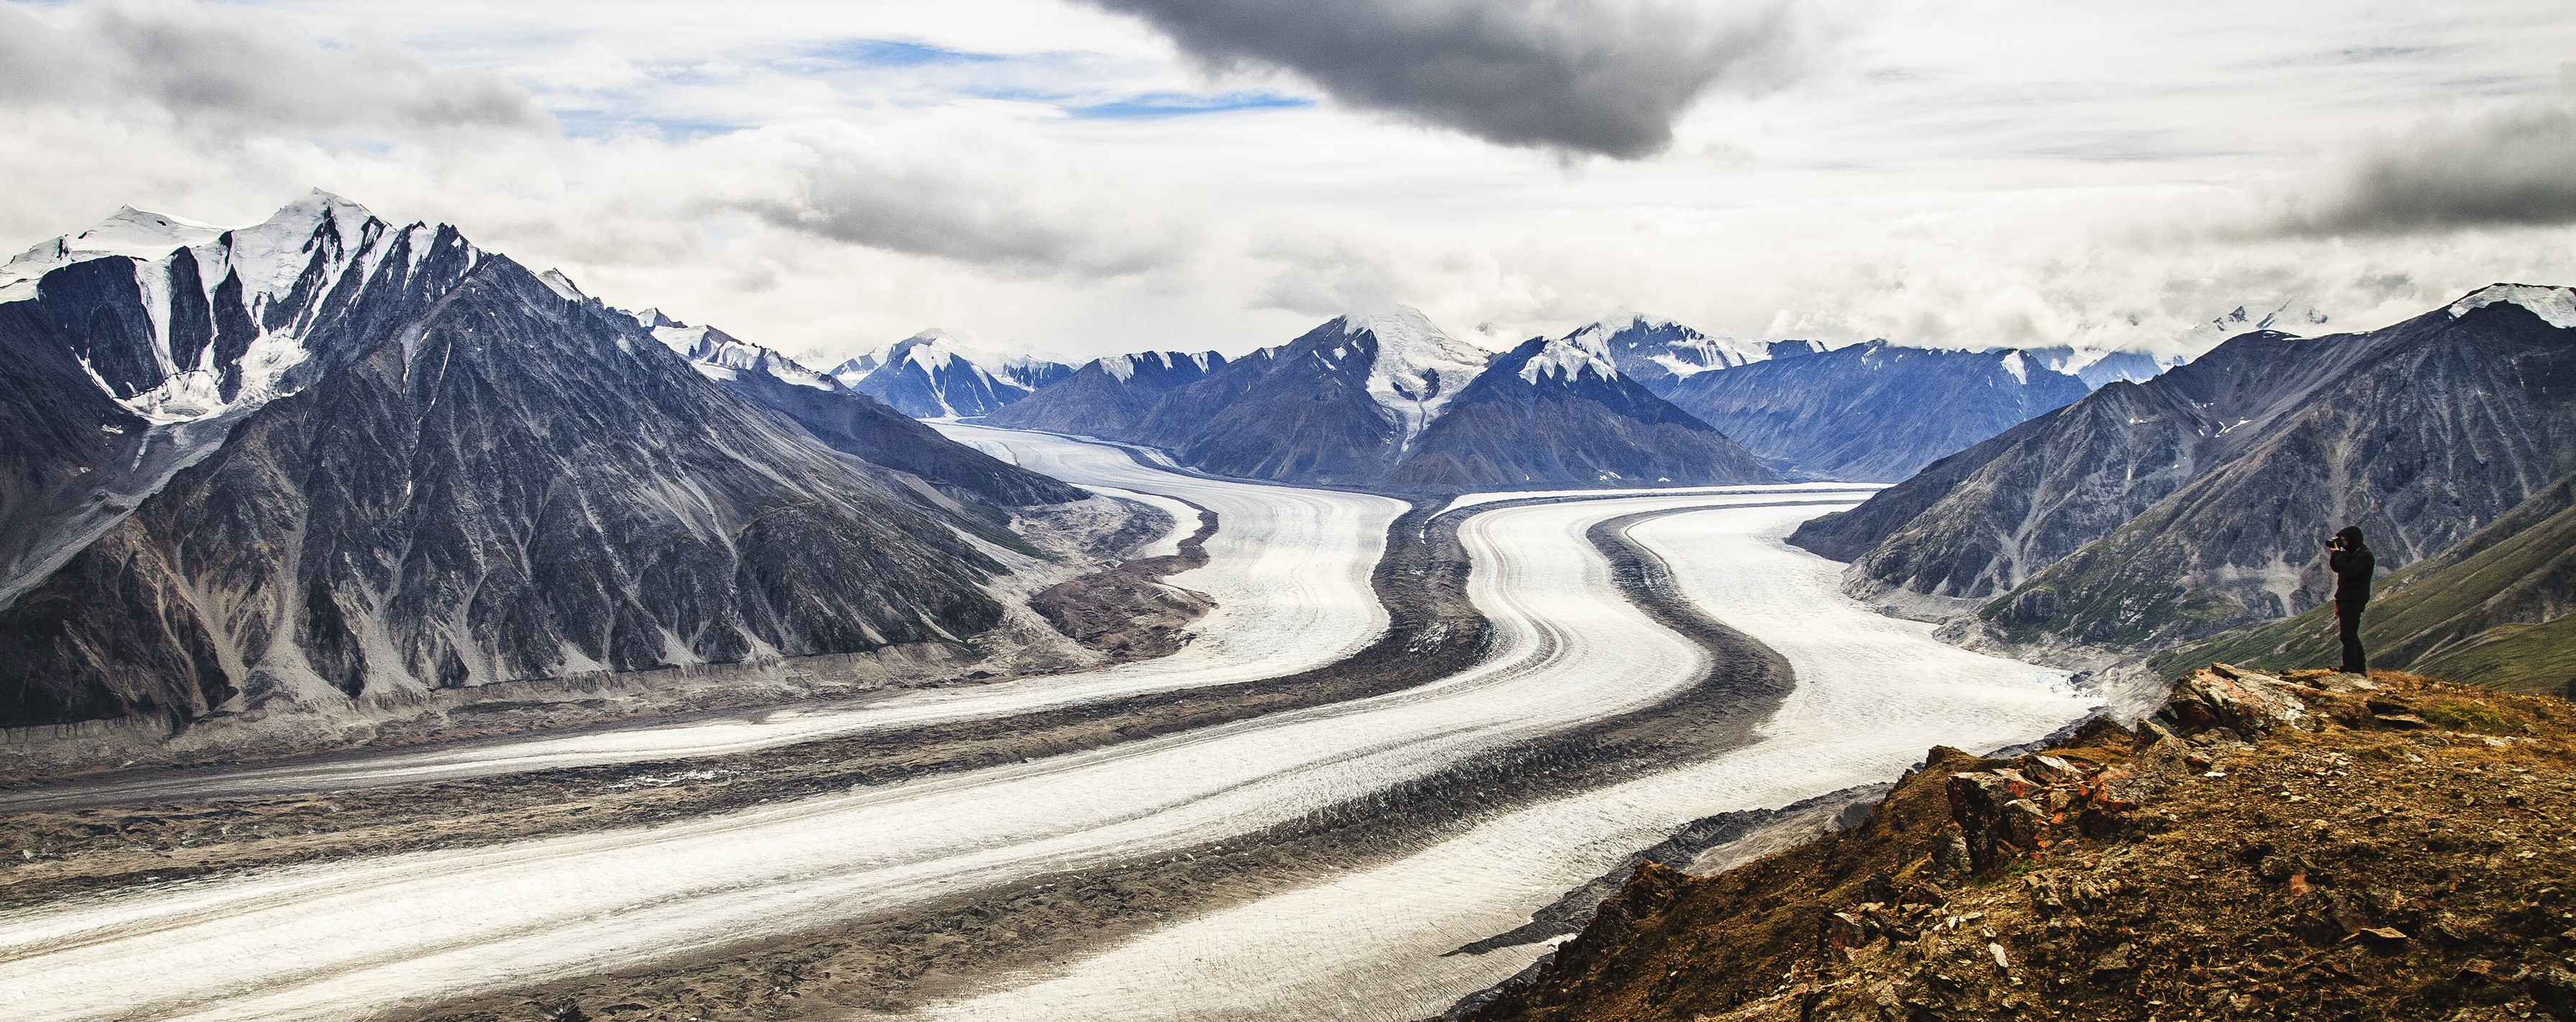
133	347
1873	412
1552	412
2491	610
486	479
1108	397
2191	503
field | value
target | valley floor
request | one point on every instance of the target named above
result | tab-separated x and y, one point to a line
1289	818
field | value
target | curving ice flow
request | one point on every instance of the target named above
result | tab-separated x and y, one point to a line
310	941
1289	570
1873	694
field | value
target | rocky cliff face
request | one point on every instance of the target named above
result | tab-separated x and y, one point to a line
481	477
2194	502
1108	397
1553	412
1873	412
2315	846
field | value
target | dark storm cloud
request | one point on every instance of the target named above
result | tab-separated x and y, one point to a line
228	70
1602	77
2512	169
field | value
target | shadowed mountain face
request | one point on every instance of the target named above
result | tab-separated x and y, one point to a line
1872	412
1108	397
1549	412
487	478
2194	502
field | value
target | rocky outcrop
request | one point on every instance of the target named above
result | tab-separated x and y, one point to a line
1873	412
2391	861
2170	510
501	481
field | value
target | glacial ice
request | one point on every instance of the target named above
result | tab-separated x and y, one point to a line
1873	693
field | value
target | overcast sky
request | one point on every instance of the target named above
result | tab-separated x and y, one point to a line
1079	178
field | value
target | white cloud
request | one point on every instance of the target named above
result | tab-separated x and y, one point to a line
830	176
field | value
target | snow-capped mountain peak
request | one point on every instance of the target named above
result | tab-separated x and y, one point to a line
1418	367
1661	352
2555	306
283	267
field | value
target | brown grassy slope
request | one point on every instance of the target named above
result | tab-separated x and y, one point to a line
2388	853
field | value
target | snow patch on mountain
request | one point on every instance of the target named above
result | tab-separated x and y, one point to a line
2555	306
2012	363
1571	356
1418	367
562	286
720	356
1123	367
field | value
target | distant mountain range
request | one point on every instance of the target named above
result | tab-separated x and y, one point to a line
936	375
1106	397
324	456
1318	410
1874	412
1392	402
2166	511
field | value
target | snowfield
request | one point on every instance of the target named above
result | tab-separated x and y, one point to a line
1289	569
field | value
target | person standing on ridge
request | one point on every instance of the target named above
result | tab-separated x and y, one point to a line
2352	563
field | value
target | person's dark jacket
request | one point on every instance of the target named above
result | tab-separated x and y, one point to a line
2352	567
